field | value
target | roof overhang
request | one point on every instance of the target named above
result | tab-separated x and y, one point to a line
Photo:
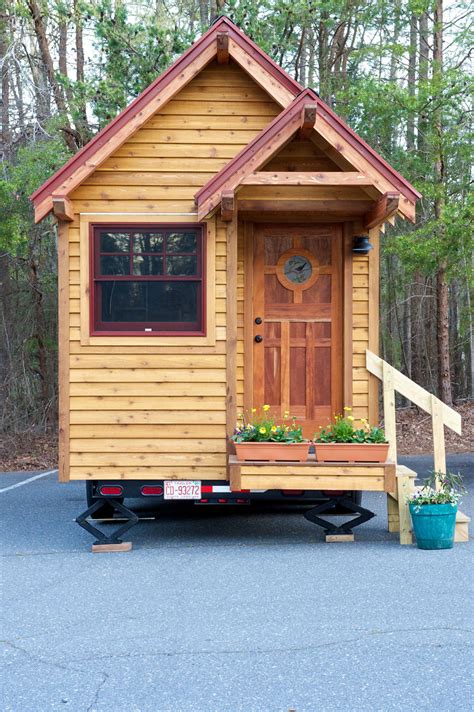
222	41
307	114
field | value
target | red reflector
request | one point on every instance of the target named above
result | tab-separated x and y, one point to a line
206	488
111	490
292	493
204	501
241	501
222	501
148	490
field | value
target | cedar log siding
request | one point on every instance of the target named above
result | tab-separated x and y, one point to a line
150	411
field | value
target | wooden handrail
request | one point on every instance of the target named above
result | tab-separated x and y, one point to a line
441	414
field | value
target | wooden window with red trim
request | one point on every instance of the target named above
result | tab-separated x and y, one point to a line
147	279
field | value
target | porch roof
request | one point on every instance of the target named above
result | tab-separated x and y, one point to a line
307	114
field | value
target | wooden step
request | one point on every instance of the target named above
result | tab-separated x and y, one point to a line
462	527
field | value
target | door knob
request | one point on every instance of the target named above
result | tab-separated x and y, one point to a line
258	320
258	338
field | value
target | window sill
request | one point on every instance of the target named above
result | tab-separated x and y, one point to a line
108	339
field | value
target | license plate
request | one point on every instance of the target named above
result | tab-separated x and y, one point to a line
182	489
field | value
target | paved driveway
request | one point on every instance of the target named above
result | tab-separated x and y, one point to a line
217	610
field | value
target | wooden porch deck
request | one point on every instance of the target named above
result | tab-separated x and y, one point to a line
396	480
311	475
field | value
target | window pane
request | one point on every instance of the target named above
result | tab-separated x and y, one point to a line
147	264
148	242
115	264
150	302
181	242
114	242
181	265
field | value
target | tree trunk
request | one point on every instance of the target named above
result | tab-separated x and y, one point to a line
4	34
412	82
444	366
82	124
40	33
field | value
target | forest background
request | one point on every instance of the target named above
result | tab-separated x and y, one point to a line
398	71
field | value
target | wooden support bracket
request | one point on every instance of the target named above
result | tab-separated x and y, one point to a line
308	119
62	208
222	48
227	205
385	208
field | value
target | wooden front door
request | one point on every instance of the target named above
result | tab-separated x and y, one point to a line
297	346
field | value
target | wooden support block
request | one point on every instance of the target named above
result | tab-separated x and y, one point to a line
393	515
227	205
333	538
222	40
308	119
62	208
106	548
384	208
461	533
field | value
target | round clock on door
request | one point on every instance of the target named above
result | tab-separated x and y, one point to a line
297	269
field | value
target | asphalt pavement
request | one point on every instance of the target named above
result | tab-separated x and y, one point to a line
228	609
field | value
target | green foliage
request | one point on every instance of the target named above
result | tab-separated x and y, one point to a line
32	165
132	55
262	427
438	488
342	430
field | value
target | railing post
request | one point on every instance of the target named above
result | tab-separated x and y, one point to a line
438	436
389	410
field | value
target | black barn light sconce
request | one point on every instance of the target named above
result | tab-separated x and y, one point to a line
361	245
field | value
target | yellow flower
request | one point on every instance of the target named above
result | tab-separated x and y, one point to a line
254	410
262	431
266	407
286	414
249	427
350	418
346	407
274	429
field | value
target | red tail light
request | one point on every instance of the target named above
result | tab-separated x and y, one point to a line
111	490
152	490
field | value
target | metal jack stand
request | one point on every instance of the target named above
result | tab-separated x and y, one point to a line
342	532
108	543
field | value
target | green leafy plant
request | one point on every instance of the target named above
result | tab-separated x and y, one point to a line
261	427
342	430
438	488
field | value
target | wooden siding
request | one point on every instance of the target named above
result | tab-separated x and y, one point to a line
360	335
301	156
148	411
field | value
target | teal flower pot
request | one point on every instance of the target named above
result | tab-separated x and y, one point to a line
434	525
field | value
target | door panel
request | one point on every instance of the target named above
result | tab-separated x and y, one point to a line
297	365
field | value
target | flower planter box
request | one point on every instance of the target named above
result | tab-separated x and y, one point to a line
351	452
272	452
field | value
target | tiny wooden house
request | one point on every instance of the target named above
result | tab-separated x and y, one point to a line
207	265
